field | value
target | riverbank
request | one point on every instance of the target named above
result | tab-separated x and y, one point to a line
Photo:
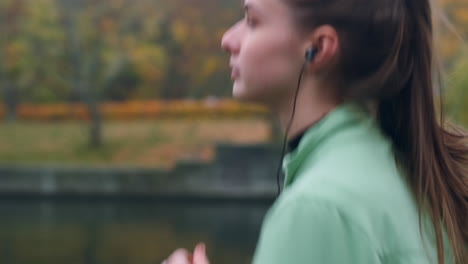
239	172
135	143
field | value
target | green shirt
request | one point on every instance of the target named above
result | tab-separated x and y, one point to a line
345	200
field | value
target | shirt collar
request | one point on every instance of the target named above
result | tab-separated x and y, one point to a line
294	142
339	118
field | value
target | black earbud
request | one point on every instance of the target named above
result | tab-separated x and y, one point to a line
310	54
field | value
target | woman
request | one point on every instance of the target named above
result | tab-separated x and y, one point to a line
371	176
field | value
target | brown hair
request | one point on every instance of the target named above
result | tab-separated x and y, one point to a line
386	56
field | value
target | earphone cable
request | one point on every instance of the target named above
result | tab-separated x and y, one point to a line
288	128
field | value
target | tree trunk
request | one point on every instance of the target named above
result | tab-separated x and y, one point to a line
10	99
11	103
95	125
82	77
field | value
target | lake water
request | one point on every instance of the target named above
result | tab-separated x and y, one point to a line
125	231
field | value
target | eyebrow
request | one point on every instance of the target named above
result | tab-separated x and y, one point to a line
248	7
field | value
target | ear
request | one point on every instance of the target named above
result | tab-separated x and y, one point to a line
325	40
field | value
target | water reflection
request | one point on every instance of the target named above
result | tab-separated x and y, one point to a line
125	231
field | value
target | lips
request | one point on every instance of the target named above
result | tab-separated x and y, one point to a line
234	73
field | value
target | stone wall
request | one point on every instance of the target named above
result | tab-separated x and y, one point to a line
238	172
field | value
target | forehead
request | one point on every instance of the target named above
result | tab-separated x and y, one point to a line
266	7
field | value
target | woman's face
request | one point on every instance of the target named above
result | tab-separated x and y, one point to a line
266	52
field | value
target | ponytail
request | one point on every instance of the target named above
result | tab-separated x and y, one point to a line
435	160
435	157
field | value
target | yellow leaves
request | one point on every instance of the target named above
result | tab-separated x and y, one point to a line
461	14
150	61
208	67
457	92
43	20
451	24
180	31
187	27
448	46
14	51
451	2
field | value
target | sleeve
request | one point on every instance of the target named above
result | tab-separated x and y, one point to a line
301	232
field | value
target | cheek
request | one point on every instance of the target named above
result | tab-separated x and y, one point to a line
267	66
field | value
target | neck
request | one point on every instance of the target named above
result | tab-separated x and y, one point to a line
309	110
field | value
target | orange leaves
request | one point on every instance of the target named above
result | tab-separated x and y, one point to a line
107	25
52	112
461	14
131	110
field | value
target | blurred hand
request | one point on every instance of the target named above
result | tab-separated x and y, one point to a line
182	256
199	254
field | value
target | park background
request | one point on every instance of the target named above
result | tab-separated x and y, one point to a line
140	84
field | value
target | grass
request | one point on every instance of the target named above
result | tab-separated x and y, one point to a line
143	143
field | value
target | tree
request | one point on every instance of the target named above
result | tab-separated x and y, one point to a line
456	97
451	29
85	48
10	19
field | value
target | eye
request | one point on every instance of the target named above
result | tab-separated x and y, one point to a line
250	22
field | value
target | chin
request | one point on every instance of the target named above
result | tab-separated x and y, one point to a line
243	95
240	93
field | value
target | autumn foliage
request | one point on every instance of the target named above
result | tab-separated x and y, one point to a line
131	110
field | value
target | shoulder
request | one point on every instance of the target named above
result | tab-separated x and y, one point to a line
361	212
298	205
304	228
350	211
307	211
359	174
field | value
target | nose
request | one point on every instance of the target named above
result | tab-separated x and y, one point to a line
231	41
